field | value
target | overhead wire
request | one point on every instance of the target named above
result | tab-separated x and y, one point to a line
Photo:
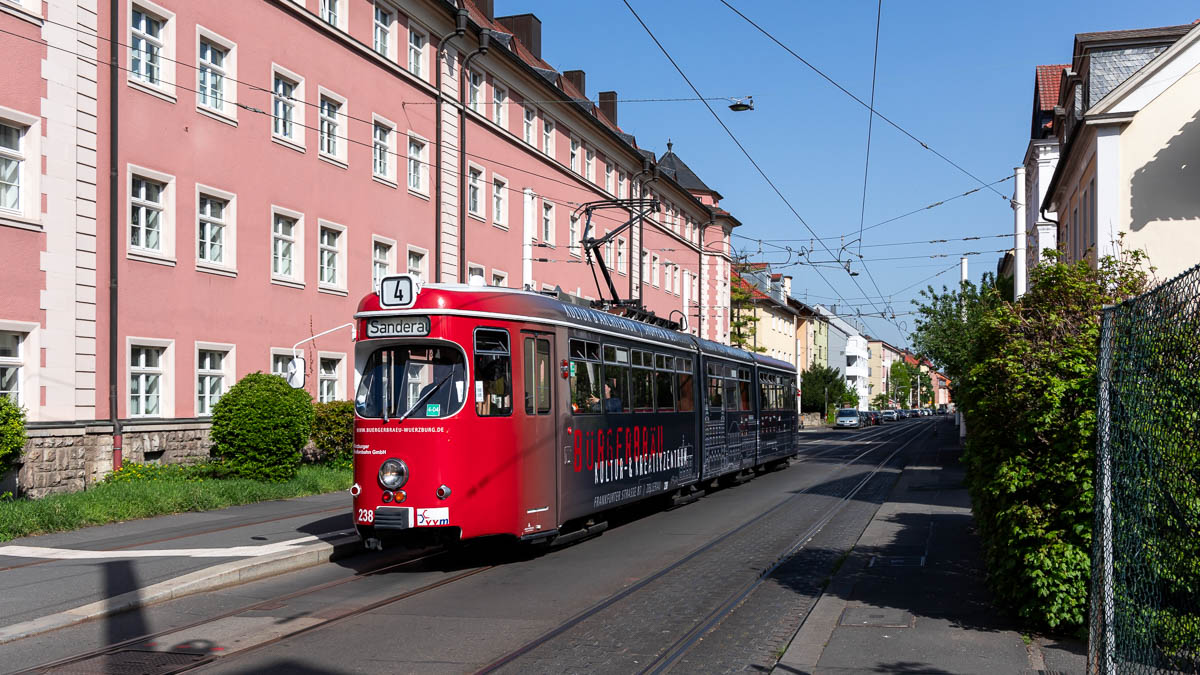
870	123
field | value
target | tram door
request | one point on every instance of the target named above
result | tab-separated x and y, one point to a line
539	473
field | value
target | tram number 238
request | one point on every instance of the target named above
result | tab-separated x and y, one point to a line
366	516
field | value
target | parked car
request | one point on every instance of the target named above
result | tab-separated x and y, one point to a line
848	418
873	417
889	415
941	409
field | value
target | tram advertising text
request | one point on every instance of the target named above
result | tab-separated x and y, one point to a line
624	452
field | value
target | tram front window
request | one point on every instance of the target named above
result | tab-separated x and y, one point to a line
412	381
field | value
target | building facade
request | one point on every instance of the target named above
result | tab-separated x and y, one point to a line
883	355
1126	131
268	166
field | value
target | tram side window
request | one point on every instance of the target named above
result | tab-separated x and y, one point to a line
765	393
493	380
643	381
715	387
537	376
731	388
616	379
664	383
585	377
744	389
687	396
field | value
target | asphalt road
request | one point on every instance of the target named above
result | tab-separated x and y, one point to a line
718	585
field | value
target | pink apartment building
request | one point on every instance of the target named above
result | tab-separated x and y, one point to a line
186	191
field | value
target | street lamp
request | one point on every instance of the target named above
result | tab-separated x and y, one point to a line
742	104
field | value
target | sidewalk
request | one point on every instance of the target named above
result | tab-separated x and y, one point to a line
912	596
56	580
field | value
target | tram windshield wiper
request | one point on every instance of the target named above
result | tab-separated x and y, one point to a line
426	395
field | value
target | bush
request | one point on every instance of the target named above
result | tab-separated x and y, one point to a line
12	433
260	426
333	432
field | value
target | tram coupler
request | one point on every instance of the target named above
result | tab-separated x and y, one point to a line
373	544
685	495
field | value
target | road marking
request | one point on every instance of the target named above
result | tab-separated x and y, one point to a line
228	552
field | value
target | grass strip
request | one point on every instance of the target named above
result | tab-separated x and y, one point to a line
113	502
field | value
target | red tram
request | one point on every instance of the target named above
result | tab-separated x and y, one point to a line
490	411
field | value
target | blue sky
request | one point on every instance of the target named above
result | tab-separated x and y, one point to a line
957	75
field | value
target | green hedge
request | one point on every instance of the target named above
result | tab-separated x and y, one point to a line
12	433
333	432
260	427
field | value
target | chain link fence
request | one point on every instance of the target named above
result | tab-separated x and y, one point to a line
1145	591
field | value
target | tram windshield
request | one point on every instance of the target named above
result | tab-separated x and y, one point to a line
412	381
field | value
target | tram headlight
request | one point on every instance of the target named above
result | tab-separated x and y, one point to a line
393	474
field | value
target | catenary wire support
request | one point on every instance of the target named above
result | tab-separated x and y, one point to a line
639	208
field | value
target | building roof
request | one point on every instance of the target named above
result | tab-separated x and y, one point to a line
673	166
1048	80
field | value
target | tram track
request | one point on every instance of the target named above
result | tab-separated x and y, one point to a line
680	647
147	642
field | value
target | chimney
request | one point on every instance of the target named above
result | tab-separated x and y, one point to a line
527	28
577	78
608	105
787	287
486	7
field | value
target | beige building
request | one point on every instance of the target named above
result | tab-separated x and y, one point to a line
1129	138
883	355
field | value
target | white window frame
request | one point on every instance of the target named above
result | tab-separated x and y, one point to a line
475	269
419	69
423	271
608	177
284	355
341	260
621	269
28	214
227	111
28	364
389	260
500	101
645	267
589	163
388	31
675	287
547	211
294	140
573	154
166	369
654	267
621	185
530	130
548	135
165	87
499	278
476	91
386	151
296	278
227	372
608	253
338	378
336	10
477	187
165	254
574	236
228	264
339	121
28	10
499	201
421	163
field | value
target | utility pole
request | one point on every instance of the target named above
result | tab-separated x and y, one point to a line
1018	205
962	422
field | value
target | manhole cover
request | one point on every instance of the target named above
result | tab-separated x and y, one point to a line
133	661
898	561
875	616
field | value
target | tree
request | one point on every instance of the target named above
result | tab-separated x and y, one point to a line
948	322
743	320
819	386
881	401
902	378
924	389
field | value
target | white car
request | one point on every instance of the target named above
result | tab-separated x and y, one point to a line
890	415
848	418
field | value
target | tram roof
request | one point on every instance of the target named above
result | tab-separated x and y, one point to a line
515	304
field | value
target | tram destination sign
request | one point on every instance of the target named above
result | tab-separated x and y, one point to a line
398	326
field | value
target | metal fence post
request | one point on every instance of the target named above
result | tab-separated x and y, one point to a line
1100	652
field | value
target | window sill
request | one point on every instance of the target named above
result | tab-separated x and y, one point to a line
384	181
164	94
418	193
279	281
287	142
150	257
332	160
500	226
21	222
22	13
332	290
216	269
476	216
217	115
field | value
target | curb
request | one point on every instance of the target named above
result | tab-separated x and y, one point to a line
208	579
